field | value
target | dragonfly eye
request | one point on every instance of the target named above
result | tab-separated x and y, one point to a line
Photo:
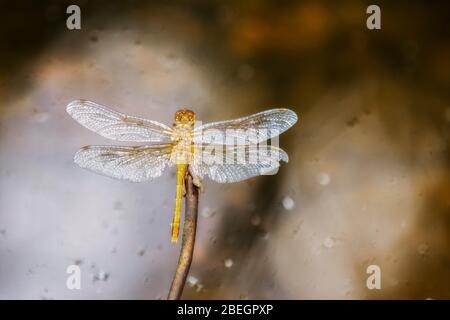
185	116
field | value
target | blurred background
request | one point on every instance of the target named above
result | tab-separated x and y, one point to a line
368	177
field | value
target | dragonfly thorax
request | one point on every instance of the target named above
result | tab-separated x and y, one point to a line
183	143
182	133
182	128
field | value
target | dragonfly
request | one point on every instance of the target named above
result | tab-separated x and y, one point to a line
206	150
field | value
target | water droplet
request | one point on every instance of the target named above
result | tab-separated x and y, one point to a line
118	205
208	212
323	179
288	203
251	207
447	114
352	122
255	220
40	116
213	239
199	287
171	56
422	249
403	224
246	72
93	38
297	228
100	276
394	282
328	242
316	251
228	263
192	281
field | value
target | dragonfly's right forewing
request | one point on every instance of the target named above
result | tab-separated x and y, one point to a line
117	126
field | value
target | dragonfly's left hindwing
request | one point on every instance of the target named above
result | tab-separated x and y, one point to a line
135	164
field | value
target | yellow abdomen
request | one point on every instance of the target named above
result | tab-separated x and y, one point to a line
181	172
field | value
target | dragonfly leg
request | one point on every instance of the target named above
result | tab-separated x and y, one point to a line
198	183
183	192
196	180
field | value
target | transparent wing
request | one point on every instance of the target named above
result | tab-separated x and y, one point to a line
226	164
115	125
134	164
248	130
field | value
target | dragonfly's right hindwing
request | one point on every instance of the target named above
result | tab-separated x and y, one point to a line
226	164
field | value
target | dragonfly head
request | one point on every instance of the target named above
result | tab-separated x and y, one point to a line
185	116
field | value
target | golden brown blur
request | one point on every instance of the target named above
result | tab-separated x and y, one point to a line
368	181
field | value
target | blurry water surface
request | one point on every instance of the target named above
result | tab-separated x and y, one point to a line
368	177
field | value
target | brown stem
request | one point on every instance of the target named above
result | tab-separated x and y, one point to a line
188	240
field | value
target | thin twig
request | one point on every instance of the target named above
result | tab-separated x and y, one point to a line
188	240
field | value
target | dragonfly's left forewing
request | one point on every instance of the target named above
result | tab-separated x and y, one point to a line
134	164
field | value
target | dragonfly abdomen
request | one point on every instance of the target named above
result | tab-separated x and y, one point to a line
181	172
